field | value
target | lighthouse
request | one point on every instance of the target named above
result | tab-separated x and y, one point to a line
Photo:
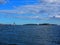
14	23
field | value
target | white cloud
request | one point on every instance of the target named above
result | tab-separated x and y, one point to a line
32	17
3	1
11	12
57	16
54	16
51	1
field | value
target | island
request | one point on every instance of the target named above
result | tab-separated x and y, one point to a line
47	24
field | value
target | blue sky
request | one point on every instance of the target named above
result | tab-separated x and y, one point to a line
29	11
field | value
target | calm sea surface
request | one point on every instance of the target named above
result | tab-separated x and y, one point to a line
30	35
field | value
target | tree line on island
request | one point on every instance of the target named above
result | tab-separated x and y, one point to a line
30	24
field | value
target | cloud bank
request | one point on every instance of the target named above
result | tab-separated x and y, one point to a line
38	10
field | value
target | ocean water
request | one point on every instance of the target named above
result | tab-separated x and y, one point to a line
30	35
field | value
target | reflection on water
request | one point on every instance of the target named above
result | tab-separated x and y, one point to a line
29	35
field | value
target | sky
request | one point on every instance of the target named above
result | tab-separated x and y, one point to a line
29	11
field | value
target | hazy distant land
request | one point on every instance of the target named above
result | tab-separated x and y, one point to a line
30	24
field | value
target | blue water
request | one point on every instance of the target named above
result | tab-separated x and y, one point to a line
30	35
